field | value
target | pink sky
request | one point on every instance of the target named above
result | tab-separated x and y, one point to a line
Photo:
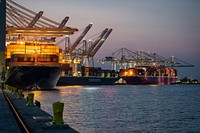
166	27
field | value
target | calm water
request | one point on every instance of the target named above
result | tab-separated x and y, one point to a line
127	108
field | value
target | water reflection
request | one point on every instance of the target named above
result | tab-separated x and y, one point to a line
126	108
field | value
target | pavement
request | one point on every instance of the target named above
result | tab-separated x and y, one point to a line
8	123
37	120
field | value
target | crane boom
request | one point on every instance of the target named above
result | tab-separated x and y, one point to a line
35	19
100	43
14	18
11	9
32	12
27	16
96	41
75	44
62	24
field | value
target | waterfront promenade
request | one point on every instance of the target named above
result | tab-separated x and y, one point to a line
35	119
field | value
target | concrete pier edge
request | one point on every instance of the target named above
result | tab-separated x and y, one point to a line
35	118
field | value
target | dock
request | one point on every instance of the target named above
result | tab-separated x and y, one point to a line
7	121
25	118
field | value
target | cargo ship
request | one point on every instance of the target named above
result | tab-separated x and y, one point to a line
32	64
149	75
87	76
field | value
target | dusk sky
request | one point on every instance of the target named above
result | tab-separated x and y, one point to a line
166	27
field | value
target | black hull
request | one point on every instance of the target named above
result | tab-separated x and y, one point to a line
27	77
64	81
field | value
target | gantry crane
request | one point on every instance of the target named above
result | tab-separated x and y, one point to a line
22	22
98	46
78	40
125	58
83	51
94	47
69	49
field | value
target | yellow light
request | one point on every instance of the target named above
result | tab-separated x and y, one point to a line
131	73
126	73
76	61
7	43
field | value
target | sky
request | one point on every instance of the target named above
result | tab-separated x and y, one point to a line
167	27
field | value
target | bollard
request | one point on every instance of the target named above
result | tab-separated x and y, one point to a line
37	103
58	113
30	99
8	87
102	74
11	88
20	94
14	90
5	86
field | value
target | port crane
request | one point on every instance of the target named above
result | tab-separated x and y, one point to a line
83	50
78	40
22	22
125	58
94	47
69	49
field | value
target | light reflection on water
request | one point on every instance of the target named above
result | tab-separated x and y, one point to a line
126	108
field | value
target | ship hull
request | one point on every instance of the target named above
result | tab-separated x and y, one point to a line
28	77
70	80
140	80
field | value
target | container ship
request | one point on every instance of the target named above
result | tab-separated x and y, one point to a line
144	68
32	64
87	76
32	58
149	75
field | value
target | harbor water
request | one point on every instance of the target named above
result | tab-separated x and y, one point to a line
127	108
